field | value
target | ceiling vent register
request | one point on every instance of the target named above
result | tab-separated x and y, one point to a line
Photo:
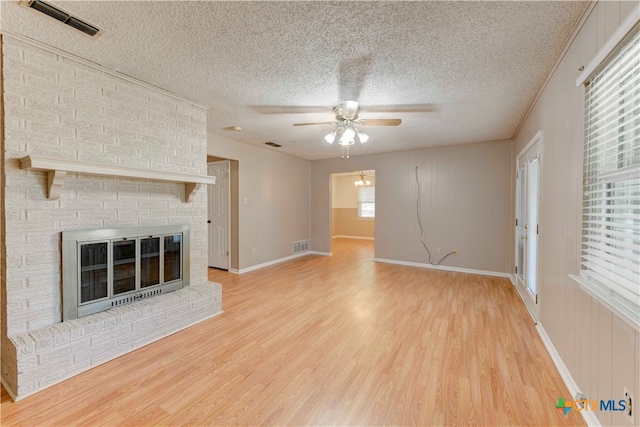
62	16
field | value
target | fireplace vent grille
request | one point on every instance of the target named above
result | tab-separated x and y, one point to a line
131	298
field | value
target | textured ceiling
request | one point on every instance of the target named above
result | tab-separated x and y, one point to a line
459	72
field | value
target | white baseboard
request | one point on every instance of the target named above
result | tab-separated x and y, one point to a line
353	237
444	267
270	263
513	279
277	261
588	416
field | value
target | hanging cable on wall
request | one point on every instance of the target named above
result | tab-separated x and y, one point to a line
422	228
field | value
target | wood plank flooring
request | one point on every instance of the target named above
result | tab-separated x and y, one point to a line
336	340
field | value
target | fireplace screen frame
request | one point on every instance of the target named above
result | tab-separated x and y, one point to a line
72	242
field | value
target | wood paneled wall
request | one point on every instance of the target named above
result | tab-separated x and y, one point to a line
465	203
601	351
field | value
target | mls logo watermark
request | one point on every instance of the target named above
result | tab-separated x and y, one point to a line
592	405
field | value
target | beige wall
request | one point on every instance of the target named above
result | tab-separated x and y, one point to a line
344	194
276	189
344	203
601	351
466	203
347	224
3	231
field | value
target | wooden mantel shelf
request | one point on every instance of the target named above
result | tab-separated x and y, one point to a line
57	171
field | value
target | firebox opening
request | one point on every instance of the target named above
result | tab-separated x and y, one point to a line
104	268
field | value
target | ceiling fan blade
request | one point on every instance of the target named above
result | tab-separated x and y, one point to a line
381	122
407	108
313	124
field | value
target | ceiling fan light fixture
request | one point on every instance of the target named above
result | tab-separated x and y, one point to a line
348	136
363	137
330	137
349	110
346	133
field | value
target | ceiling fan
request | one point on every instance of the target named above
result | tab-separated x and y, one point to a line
351	75
348	112
346	133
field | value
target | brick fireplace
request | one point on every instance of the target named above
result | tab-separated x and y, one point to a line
58	106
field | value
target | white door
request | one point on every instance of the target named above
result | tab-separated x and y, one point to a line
527	224
218	215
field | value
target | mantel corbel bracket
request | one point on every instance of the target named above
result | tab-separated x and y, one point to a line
190	190
56	182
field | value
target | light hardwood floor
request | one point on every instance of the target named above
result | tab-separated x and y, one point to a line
336	340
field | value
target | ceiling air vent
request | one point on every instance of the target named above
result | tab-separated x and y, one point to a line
62	16
273	144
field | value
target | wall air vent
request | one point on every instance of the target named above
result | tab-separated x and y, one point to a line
62	16
300	246
273	144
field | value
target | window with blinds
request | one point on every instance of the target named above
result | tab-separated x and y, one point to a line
366	202
611	199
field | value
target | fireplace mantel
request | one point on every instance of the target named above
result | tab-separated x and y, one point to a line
57	171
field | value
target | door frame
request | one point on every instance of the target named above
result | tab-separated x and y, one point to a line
532	302
228	206
333	176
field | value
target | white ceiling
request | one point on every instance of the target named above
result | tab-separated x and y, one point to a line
461	72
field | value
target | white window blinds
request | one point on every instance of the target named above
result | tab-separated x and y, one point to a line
611	201
367	202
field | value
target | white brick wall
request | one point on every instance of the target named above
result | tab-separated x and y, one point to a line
56	106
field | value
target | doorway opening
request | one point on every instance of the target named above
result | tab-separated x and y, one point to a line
353	204
528	196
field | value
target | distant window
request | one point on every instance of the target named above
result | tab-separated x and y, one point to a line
611	195
366	202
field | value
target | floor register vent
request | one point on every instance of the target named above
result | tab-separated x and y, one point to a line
62	16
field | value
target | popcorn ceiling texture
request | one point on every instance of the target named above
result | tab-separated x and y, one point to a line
479	64
56	106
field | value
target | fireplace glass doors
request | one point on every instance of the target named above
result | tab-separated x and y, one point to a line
149	262
108	268
93	271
